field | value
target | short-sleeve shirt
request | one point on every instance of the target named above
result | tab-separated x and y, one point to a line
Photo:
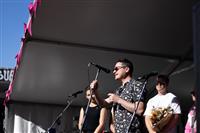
131	92
164	101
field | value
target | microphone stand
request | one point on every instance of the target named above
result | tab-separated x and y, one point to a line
89	101
136	107
57	120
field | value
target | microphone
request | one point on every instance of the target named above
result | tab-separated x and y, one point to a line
146	76
106	70
76	93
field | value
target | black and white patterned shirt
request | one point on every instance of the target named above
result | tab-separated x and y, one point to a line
131	92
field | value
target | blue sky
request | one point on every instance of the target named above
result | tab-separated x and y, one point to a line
13	15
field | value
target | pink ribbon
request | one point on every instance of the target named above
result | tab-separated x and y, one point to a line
19	54
27	27
9	91
33	7
32	10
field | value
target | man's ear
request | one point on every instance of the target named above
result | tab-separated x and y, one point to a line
127	69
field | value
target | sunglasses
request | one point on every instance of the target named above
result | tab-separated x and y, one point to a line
117	68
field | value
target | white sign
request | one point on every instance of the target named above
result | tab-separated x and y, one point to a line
6	74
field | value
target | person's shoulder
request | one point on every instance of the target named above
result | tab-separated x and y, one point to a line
103	108
173	97
154	98
100	107
170	94
136	82
84	107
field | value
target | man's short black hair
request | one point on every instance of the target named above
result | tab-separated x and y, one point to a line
163	79
128	64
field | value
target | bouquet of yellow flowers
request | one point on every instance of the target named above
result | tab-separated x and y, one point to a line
160	117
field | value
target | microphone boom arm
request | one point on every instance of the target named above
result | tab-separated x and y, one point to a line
106	70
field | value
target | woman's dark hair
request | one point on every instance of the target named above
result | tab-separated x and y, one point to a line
128	64
163	79
87	88
193	92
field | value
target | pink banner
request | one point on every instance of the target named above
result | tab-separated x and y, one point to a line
27	28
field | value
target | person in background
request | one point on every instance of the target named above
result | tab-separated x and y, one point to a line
125	99
164	100
96	116
191	125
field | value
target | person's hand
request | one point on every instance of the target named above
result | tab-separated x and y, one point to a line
112	98
94	85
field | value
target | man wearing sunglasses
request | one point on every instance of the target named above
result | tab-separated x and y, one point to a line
124	100
164	106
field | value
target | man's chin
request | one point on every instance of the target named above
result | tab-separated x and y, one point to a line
117	78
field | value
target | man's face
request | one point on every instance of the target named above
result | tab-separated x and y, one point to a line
119	71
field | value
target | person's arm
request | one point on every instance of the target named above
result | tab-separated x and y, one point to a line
101	102
80	119
102	121
127	105
112	127
149	124
171	124
94	87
